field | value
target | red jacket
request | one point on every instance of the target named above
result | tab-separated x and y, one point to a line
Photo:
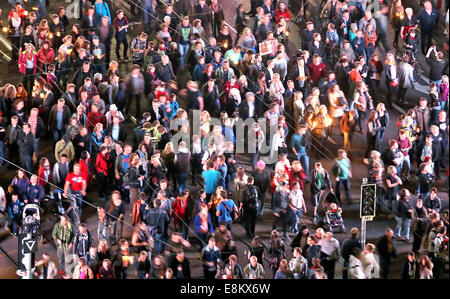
85	169
286	14
41	175
179	209
101	163
45	57
23	62
95	118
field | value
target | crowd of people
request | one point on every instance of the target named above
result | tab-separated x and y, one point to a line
113	134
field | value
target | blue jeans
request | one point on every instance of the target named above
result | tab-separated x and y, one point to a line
158	243
299	215
181	178
304	160
346	184
183	53
147	17
27	162
58	134
408	164
403	227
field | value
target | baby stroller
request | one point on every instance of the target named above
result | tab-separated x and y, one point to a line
333	220
31	220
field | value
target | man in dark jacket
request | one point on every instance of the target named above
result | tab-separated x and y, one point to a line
26	147
156	219
261	180
347	248
320	181
164	70
58	119
280	208
35	191
403	216
250	206
428	18
82	241
211	257
387	251
116	130
11	137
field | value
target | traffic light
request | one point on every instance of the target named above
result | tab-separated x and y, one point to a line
368	200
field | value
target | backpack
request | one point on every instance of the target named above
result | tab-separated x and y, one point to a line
335	170
253	200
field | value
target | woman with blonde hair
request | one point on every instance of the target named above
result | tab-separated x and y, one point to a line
205	123
247	41
168	156
338	103
113	69
392	77
425	267
283	271
216	199
103	251
397	16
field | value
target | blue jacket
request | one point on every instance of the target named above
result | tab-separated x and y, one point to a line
15	210
102	10
197	224
20	187
35	193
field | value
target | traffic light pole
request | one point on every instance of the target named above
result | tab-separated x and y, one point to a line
29	260
363	232
367	207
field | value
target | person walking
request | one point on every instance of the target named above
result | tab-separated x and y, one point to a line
387	250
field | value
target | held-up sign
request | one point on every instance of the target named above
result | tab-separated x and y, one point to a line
30	246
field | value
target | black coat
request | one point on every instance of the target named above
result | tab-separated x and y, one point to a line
382	247
244	110
26	144
122	132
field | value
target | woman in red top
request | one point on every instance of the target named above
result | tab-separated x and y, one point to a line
179	213
282	11
45	174
45	55
85	166
101	168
